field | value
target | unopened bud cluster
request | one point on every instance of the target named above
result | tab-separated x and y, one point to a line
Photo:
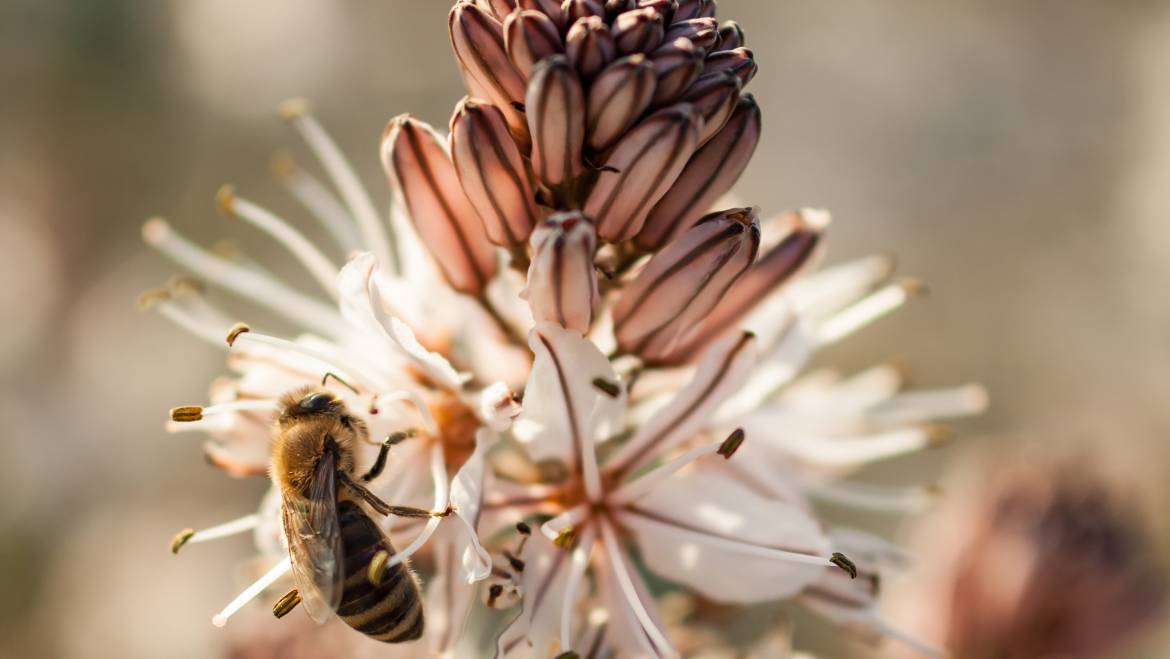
597	133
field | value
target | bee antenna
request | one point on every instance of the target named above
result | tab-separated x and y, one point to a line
333	375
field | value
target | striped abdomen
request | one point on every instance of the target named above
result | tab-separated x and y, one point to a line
391	612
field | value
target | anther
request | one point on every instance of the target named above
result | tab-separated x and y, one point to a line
235	332
731	444
294	108
148	299
568	655
494	593
186	413
286	604
181	539
523	529
185	285
611	389
377	569
517	564
566	538
843	562
225	198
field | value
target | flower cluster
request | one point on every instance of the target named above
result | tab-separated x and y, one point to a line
592	369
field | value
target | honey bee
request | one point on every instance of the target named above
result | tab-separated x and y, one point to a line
338	550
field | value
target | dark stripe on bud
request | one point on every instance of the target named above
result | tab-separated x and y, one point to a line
738	61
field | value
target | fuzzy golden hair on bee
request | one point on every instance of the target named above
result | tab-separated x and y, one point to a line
313	420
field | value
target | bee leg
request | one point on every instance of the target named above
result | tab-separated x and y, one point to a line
360	490
384	452
287	603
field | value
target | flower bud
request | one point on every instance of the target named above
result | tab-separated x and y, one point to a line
708	175
575	10
478	41
794	252
665	8
677	65
492	172
637	31
715	96
550	8
615	7
556	119
497	9
703	32
731	36
562	284
688	9
738	61
530	36
641	168
425	183
617	98
589	46
682	283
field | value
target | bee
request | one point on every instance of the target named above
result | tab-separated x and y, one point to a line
337	549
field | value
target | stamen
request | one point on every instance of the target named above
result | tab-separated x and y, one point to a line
318	200
190	413
560	528
867	310
377	569
626	584
373	230
260	585
842	561
235	332
643	485
579	562
328	362
186	413
234	527
286	604
827	291
876	498
439	476
207	325
919	406
320	267
254	285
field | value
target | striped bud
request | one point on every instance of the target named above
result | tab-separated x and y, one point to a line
427	187
714	96
731	36
688	9
575	10
556	119
677	65
796	250
615	7
682	283
665	8
562	283
709	174
637	31
530	36
703	32
492	172
619	95
550	8
497	9
738	61
589	46
641	168
478	41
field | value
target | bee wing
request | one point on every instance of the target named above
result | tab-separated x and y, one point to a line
314	542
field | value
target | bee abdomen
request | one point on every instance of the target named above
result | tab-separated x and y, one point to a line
391	611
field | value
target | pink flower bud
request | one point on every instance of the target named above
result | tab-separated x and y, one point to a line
556	120
714	95
562	283
683	283
708	175
731	36
637	31
796	250
738	61
619	95
426	185
575	10
688	9
497	9
529	37
492	172
641	168
703	32
589	46
665	8
677	64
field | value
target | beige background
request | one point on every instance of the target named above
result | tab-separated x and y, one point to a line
1015	155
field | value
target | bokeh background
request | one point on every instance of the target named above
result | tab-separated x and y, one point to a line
1014	155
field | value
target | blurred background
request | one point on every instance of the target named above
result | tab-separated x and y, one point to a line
1015	156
